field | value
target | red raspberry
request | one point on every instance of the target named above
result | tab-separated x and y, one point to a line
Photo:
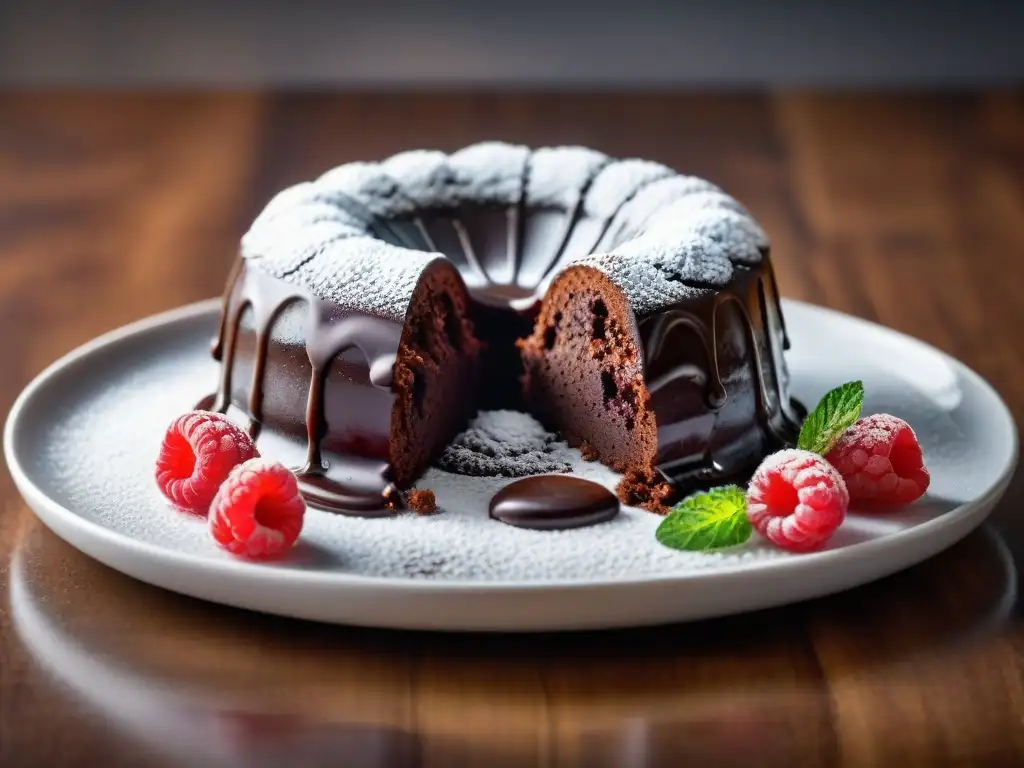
880	460
198	451
258	510
796	499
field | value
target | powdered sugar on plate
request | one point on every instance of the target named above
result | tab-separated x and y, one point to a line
505	444
95	455
101	446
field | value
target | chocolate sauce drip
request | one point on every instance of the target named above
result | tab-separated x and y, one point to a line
424	233
468	252
673	372
547	255
226	346
574	212
346	483
512	245
553	502
517	215
264	314
661	326
378	341
776	298
356	499
217	348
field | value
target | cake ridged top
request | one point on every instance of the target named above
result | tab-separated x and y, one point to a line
659	235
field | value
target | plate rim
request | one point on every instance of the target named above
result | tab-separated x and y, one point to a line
56	514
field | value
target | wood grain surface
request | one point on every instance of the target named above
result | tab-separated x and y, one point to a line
904	209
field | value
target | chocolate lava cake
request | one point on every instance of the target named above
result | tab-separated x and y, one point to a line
375	310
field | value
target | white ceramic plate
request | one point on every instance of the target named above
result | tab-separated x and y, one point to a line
81	439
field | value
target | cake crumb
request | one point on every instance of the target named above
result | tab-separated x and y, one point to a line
589	452
645	491
422	501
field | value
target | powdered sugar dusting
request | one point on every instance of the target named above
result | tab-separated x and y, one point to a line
686	192
505	444
369	185
740	236
653	272
296	223
426	176
298	198
661	192
617	182
873	434
559	174
315	239
490	172
365	274
321	234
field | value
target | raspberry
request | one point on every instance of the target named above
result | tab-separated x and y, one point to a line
198	451
880	460
796	499
258	510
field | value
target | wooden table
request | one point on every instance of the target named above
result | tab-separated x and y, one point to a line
904	209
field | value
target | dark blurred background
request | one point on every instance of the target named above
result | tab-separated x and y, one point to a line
534	43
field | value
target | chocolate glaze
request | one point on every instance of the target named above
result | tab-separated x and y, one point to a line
553	502
346	471
716	416
706	362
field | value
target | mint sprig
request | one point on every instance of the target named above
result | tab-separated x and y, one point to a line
707	521
835	413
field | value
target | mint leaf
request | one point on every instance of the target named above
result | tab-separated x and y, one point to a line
707	521
835	413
